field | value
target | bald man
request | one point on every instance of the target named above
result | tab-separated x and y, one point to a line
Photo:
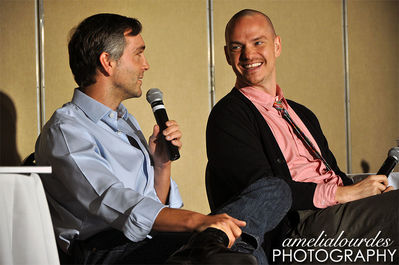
252	134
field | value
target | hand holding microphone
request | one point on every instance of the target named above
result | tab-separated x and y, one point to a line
372	185
154	97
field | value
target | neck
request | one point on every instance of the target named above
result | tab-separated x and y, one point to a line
267	88
101	93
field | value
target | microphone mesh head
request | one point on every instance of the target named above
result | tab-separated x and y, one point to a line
154	94
394	152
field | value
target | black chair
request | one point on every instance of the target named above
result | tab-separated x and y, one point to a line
29	160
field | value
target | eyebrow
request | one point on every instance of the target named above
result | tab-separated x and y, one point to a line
234	42
260	37
254	39
141	48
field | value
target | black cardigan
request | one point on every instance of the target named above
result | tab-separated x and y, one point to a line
241	148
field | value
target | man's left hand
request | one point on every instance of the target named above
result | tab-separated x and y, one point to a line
158	149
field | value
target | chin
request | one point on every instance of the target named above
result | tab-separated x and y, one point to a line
138	93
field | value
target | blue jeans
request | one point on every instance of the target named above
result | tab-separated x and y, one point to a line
262	205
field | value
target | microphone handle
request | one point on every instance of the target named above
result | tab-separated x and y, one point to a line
161	117
388	166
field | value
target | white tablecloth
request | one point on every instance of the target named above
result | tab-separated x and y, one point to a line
26	231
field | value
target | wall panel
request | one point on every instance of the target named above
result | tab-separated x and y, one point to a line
374	79
175	33
18	68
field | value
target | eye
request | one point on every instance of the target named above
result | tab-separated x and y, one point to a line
235	47
139	52
258	42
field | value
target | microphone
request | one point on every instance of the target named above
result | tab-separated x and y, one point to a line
390	162
154	97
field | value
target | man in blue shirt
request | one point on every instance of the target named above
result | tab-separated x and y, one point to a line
111	195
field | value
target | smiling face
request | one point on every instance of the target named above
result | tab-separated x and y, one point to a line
130	68
251	49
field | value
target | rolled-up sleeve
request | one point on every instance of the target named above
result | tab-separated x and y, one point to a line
324	195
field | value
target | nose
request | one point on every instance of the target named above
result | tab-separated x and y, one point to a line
146	65
246	53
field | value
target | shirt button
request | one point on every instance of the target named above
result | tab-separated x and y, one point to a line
119	132
111	115
279	161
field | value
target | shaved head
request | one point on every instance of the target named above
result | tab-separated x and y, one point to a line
243	13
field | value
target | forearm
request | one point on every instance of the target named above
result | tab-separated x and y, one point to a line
348	193
372	185
162	182
178	220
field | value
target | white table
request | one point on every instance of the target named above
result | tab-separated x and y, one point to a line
26	231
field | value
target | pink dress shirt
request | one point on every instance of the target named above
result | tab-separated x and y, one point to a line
302	165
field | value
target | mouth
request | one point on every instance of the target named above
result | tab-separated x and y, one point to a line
250	66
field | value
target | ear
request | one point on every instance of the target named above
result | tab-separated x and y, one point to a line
107	62
226	53
277	46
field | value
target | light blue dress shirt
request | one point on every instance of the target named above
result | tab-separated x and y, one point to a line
99	179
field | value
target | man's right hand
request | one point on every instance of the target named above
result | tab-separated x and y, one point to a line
372	185
179	220
231	226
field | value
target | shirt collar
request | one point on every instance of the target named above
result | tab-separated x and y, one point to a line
122	111
262	98
94	109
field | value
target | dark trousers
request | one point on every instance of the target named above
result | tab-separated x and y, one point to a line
371	224
112	247
262	205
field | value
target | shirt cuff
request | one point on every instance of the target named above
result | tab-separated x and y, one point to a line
141	219
324	195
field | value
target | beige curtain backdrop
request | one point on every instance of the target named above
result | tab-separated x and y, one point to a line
310	69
